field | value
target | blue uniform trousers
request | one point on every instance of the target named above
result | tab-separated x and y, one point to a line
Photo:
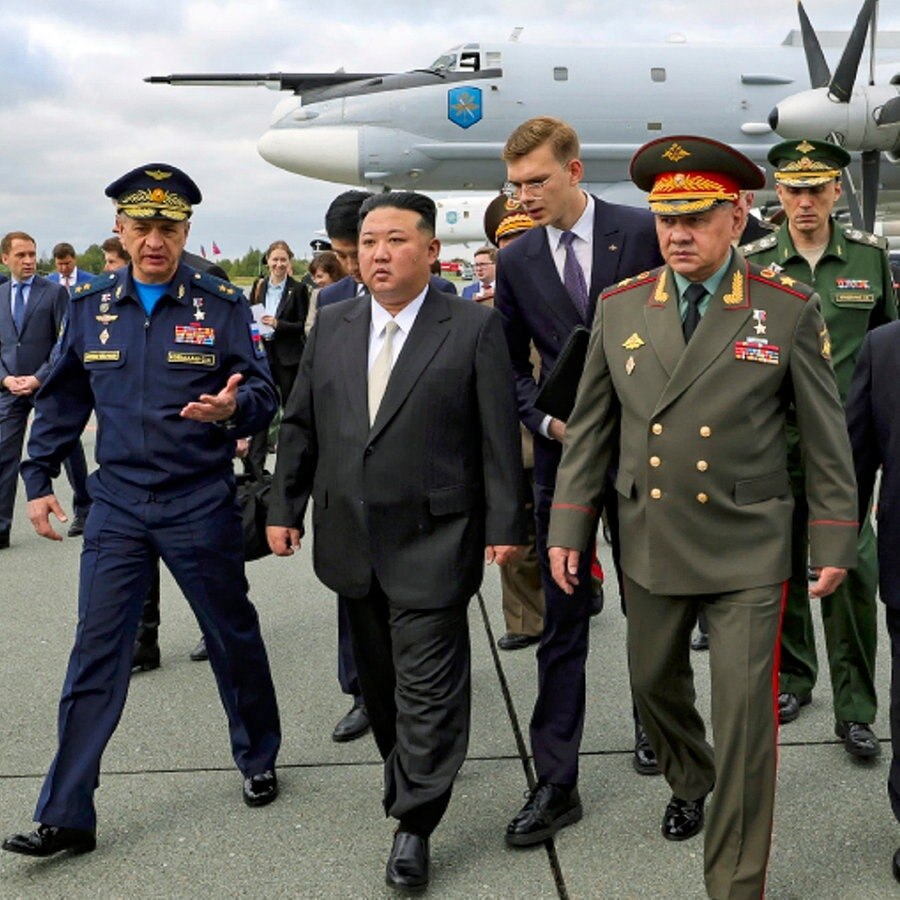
198	536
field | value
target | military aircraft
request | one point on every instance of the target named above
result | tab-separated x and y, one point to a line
441	128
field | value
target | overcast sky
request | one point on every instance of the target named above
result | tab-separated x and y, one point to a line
76	114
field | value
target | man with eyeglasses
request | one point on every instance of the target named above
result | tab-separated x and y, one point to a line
482	288
547	284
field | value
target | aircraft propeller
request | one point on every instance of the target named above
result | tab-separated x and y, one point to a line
866	119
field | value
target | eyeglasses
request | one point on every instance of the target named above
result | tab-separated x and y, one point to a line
535	188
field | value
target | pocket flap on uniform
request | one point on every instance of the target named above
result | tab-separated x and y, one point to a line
625	483
449	500
755	490
320	497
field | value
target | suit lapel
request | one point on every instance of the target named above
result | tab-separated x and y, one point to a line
354	361
285	296
6	320
728	312
550	289
34	299
607	251
430	330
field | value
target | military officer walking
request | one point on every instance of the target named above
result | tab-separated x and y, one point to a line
165	357
849	270
686	381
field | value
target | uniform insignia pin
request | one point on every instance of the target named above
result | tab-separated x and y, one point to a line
104	307
630	365
759	316
104	336
613	247
634	342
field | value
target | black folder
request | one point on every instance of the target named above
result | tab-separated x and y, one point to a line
557	394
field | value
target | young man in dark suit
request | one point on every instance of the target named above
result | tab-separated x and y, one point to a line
873	419
547	284
32	310
402	427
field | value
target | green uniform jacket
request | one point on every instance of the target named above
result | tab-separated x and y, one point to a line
704	497
853	281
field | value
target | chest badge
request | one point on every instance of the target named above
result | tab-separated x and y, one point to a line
195	334
630	365
104	336
634	342
759	316
199	314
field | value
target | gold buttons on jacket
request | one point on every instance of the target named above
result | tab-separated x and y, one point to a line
657	428
705	431
702	465
656	493
702	498
655	461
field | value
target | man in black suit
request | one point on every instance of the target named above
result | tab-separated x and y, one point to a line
873	419
547	284
32	310
412	493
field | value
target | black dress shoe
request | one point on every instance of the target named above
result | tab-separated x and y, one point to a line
895	864
145	657
789	706
4	540
200	653
76	529
354	725
682	818
859	739
407	866
549	807
597	601
49	839
511	641
644	759
700	641
261	789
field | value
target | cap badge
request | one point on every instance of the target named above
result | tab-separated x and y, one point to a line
157	174
676	153
805	147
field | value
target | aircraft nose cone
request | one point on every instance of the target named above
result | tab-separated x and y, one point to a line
327	152
773	119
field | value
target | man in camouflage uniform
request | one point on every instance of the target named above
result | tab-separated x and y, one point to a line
849	270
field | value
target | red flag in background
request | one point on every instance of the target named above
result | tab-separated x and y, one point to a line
216	250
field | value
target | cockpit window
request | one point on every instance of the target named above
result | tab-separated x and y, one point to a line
470	61
458	59
445	62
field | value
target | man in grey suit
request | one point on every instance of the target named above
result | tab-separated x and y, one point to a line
402	427
32	311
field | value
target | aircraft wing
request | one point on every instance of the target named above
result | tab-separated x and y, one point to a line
274	81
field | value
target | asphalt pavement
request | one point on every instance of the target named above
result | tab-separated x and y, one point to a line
172	823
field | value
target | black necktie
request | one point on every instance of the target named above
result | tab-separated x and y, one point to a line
19	307
694	296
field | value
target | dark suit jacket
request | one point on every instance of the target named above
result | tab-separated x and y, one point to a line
536	306
28	353
340	290
414	499
873	419
289	339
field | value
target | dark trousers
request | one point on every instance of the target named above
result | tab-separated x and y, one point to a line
892	617
14	413
557	722
414	668
284	377
348	676
199	538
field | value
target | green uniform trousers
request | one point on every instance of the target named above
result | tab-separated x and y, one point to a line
849	617
743	643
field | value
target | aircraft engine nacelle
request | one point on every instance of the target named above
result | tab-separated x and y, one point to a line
813	114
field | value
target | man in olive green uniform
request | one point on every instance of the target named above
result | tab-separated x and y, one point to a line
687	381
850	272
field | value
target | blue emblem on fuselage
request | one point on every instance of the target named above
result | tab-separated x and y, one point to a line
452	217
464	106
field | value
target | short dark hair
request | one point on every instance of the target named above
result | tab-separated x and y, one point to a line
328	262
114	245
342	216
6	243
414	202
63	250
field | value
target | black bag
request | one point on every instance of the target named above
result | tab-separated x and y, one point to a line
557	394
253	496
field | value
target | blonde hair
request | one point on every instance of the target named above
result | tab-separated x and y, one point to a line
559	135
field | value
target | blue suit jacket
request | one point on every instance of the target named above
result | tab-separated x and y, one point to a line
873	420
81	277
340	290
536	307
28	353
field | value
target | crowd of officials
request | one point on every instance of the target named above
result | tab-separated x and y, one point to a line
679	374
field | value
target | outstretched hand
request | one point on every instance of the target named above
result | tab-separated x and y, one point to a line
215	407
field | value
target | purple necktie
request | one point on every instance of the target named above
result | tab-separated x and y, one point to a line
19	307
573	277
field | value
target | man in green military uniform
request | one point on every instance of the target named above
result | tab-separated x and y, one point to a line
850	272
688	380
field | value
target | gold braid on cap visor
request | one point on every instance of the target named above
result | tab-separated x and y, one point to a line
154	203
807	170
512	224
